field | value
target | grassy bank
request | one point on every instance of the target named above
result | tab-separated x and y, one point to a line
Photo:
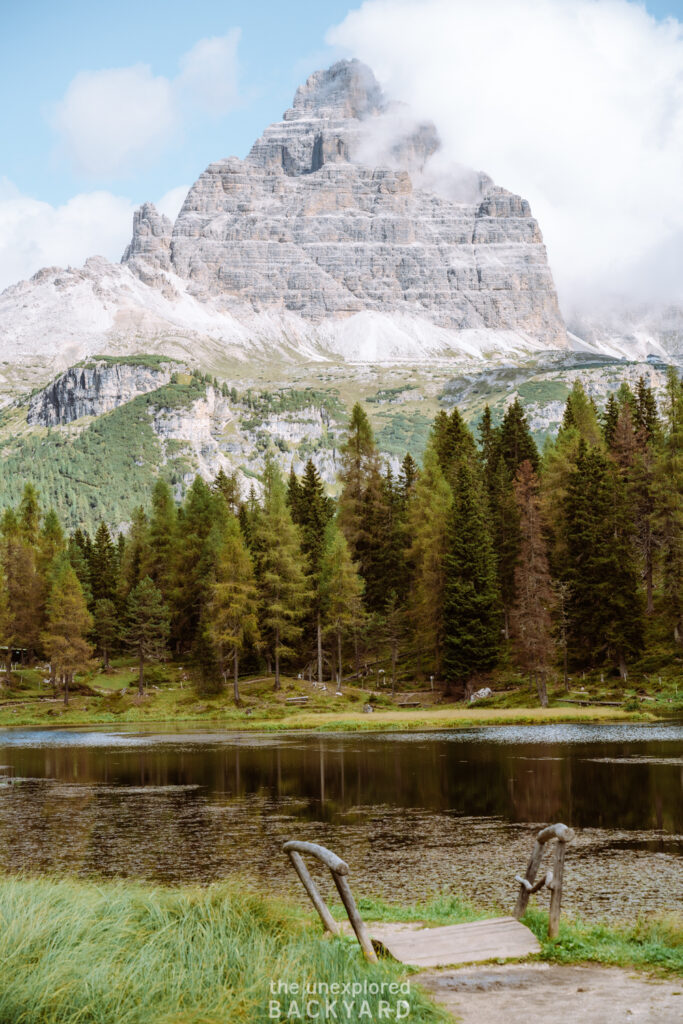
76	952
127	953
107	698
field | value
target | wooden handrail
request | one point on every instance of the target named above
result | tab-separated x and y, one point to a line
339	870
552	878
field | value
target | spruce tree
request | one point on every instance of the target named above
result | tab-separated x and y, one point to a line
471	607
227	485
341	591
68	624
531	613
605	612
428	521
148	625
312	513
669	502
231	620
106	627
164	540
281	571
514	443
103	566
6	634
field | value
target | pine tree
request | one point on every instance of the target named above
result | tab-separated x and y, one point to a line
29	515
429	527
68	624
79	550
106	627
232	610
646	417
227	485
280	569
609	420
604	613
471	609
393	629
341	590
531	613
148	625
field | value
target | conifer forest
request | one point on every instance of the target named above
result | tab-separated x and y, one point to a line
489	553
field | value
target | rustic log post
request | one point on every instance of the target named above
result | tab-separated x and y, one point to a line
339	870
552	879
356	920
311	888
556	889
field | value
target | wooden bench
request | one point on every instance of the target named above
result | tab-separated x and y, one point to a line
297	700
410	704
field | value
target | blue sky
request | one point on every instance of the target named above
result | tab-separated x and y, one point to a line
106	105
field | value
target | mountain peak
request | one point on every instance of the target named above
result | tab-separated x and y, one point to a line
346	90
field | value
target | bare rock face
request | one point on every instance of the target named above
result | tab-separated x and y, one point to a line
93	390
324	219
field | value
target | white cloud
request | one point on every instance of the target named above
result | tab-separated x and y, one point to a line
110	121
576	104
208	73
34	234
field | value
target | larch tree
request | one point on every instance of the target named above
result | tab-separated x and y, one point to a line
148	625
68	624
531	620
232	610
341	590
281	570
6	636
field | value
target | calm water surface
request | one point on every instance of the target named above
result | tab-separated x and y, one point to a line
414	814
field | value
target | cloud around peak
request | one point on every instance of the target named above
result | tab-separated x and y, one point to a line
576	104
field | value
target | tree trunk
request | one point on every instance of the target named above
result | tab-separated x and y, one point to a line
269	665
105	651
339	659
66	688
236	679
277	659
356	657
622	666
566	676
506	622
393	669
320	650
541	688
141	671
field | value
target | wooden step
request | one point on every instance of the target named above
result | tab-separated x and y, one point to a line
496	938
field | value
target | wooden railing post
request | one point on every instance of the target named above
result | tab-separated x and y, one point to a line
339	870
552	878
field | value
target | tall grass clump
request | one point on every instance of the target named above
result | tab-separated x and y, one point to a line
80	952
652	942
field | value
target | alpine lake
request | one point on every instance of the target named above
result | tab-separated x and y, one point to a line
413	814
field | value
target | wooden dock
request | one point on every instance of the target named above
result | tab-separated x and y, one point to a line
498	938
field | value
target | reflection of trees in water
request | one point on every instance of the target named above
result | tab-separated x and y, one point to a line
413	816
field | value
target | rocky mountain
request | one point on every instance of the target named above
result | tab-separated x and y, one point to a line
327	242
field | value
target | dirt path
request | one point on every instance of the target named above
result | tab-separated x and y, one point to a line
520	993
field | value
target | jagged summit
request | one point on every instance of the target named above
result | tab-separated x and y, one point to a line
337	238
347	89
328	217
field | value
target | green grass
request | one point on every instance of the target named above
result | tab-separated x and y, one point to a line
78	952
653	943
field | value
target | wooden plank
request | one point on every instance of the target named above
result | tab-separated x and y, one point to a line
492	939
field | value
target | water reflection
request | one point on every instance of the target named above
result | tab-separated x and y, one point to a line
413	813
